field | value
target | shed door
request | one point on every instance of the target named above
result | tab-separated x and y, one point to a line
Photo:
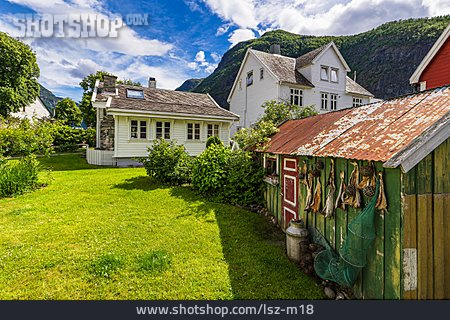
289	190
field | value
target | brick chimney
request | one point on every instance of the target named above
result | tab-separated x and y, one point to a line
275	49
109	83
152	82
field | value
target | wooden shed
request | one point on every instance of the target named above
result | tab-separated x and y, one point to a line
407	140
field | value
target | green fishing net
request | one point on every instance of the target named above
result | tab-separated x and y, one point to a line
343	268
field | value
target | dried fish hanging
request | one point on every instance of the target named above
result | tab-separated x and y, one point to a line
328	210
352	196
368	182
381	200
315	206
340	197
309	185
303	176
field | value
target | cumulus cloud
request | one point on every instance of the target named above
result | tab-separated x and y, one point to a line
239	35
215	56
201	64
318	17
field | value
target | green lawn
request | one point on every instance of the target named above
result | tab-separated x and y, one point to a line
110	233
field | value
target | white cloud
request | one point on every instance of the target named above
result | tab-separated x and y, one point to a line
318	17
200	64
239	35
223	29
200	56
215	56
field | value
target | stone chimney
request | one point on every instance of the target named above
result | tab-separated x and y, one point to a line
152	82
275	49
109	83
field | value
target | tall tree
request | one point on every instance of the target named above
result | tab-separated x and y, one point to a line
19	72
88	84
67	111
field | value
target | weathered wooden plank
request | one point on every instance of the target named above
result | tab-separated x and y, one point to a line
410	243
446	205
424	175
340	215
439	246
441	165
392	234
410	181
425	246
320	221
373	284
330	223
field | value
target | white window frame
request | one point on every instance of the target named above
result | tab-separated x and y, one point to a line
337	75
333	101
295	92
194	133
357	102
139	126
273	157
163	127
327	73
324	100
213	130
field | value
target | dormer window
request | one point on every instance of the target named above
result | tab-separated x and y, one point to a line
324	73
250	78
135	94
334	75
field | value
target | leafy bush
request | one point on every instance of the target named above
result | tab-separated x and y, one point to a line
18	176
24	137
213	140
168	163
226	175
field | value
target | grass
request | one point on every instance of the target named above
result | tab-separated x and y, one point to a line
113	233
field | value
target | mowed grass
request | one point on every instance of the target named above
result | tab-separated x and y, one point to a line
111	233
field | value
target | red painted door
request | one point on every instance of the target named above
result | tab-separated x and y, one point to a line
289	190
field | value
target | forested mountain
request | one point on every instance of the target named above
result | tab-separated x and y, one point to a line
384	58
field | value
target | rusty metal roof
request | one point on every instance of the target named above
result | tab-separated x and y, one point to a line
379	131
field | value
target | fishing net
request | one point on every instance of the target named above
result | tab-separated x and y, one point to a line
343	268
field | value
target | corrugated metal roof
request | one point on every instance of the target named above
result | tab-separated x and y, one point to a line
371	132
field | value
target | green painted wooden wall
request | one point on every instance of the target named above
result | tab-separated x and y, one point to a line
426	190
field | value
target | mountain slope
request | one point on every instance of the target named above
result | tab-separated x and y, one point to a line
189	85
384	58
49	99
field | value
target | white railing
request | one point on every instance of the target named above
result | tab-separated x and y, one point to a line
100	157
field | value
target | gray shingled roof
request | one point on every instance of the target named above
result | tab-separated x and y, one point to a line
161	100
283	67
308	57
353	87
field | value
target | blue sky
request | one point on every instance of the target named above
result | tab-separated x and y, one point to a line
186	38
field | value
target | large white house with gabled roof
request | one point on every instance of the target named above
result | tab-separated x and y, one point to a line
317	78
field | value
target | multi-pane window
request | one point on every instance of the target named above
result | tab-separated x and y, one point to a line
250	78
357	102
333	101
213	130
135	94
324	101
324	73
261	74
163	129
193	131
138	129
297	97
334	75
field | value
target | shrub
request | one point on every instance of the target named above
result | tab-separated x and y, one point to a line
18	176
22	137
213	140
168	163
226	175
209	173
67	138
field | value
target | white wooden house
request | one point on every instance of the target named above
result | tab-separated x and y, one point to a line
130	118
317	78
35	110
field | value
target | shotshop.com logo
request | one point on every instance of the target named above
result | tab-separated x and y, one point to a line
74	25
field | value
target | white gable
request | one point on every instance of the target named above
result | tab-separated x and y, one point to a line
36	110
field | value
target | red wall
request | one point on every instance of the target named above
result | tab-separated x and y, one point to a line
437	73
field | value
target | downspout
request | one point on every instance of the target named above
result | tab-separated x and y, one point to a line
245	109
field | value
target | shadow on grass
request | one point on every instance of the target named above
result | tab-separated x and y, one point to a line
144	183
254	251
